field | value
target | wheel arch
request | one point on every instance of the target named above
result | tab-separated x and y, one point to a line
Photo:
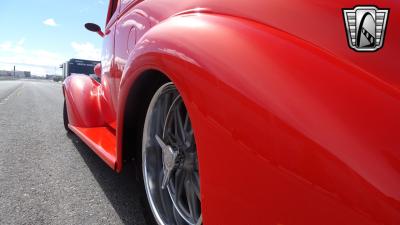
173	49
136	104
153	54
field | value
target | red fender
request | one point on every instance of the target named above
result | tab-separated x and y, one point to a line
83	97
88	113
322	139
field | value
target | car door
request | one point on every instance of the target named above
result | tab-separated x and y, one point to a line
108	78
131	25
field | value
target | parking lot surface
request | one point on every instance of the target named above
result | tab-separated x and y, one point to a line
49	177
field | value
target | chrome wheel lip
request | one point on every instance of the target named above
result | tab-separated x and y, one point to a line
150	182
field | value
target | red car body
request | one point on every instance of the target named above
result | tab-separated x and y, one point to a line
291	125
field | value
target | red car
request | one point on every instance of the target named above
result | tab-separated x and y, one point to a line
249	112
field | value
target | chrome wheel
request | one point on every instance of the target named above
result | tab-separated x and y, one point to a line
170	164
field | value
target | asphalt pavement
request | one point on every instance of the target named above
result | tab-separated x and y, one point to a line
49	177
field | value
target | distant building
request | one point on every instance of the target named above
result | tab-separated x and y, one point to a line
50	77
4	73
27	73
78	66
19	74
54	77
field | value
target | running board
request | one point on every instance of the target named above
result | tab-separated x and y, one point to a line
101	140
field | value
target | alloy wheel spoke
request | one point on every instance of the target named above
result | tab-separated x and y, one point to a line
164	109
189	139
178	218
192	200
179	183
181	128
196	184
160	142
187	122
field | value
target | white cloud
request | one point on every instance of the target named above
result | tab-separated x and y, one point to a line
11	47
21	41
50	22
101	2
86	51
6	46
38	61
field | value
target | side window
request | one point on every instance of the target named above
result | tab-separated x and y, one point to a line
112	7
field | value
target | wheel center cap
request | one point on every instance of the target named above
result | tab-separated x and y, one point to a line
169	157
169	160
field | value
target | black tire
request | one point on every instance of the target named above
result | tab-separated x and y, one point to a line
139	100
133	132
157	202
146	210
65	117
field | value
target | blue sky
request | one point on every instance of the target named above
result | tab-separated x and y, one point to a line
39	35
